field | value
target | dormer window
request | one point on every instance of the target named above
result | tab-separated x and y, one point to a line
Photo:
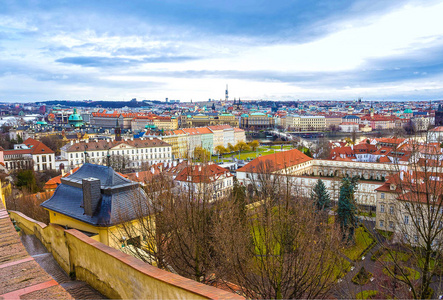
393	187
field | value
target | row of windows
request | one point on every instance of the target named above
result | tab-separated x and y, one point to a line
44	158
391	209
103	153
382	224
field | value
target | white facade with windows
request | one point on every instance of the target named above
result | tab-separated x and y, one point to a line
135	151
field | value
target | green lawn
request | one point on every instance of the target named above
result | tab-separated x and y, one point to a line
396	256
411	274
369	294
362	241
342	268
262	150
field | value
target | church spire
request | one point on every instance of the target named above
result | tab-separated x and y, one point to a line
118	131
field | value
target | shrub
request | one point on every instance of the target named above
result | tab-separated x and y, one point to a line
362	277
377	254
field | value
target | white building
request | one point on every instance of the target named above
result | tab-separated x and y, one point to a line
348	127
136	151
30	154
206	180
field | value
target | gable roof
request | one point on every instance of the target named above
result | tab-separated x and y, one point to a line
35	147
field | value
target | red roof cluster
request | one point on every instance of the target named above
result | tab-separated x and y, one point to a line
274	162
35	147
206	173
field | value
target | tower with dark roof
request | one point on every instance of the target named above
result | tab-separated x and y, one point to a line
118	132
226	94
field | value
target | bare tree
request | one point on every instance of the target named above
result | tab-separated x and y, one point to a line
413	210
265	255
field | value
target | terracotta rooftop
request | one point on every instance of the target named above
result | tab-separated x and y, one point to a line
206	173
35	147
275	162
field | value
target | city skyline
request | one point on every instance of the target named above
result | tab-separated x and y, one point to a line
280	51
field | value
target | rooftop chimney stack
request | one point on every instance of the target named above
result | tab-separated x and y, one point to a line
91	195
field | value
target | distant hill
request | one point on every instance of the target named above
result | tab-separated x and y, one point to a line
104	104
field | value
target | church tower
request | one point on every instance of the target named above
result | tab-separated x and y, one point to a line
118	132
226	94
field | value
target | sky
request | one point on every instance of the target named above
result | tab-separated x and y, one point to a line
176	49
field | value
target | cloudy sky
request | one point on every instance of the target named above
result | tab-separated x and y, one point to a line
280	49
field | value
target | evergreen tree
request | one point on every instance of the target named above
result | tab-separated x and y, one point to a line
320	195
239	197
346	212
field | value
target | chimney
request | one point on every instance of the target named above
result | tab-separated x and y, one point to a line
152	170
136	174
91	195
174	163
401	175
72	142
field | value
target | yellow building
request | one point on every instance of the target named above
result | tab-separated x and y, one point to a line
97	200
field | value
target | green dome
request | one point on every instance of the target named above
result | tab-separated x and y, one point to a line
75	119
408	111
41	123
75	116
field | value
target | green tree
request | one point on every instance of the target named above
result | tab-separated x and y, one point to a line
239	197
19	139
320	195
26	180
220	150
242	146
231	148
254	145
201	154
346	212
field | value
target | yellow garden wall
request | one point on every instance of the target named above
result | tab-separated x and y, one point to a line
111	272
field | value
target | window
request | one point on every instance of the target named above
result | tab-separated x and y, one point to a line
382	208
391	225
38	159
406	220
382	195
71	155
382	223
391	210
415	238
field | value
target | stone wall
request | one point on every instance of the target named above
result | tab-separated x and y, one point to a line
111	272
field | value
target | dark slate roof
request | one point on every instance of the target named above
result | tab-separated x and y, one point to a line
108	177
120	197
351	117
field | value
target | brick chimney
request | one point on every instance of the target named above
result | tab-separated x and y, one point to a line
91	195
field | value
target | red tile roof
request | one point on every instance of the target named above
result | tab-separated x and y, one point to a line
275	162
202	173
35	147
